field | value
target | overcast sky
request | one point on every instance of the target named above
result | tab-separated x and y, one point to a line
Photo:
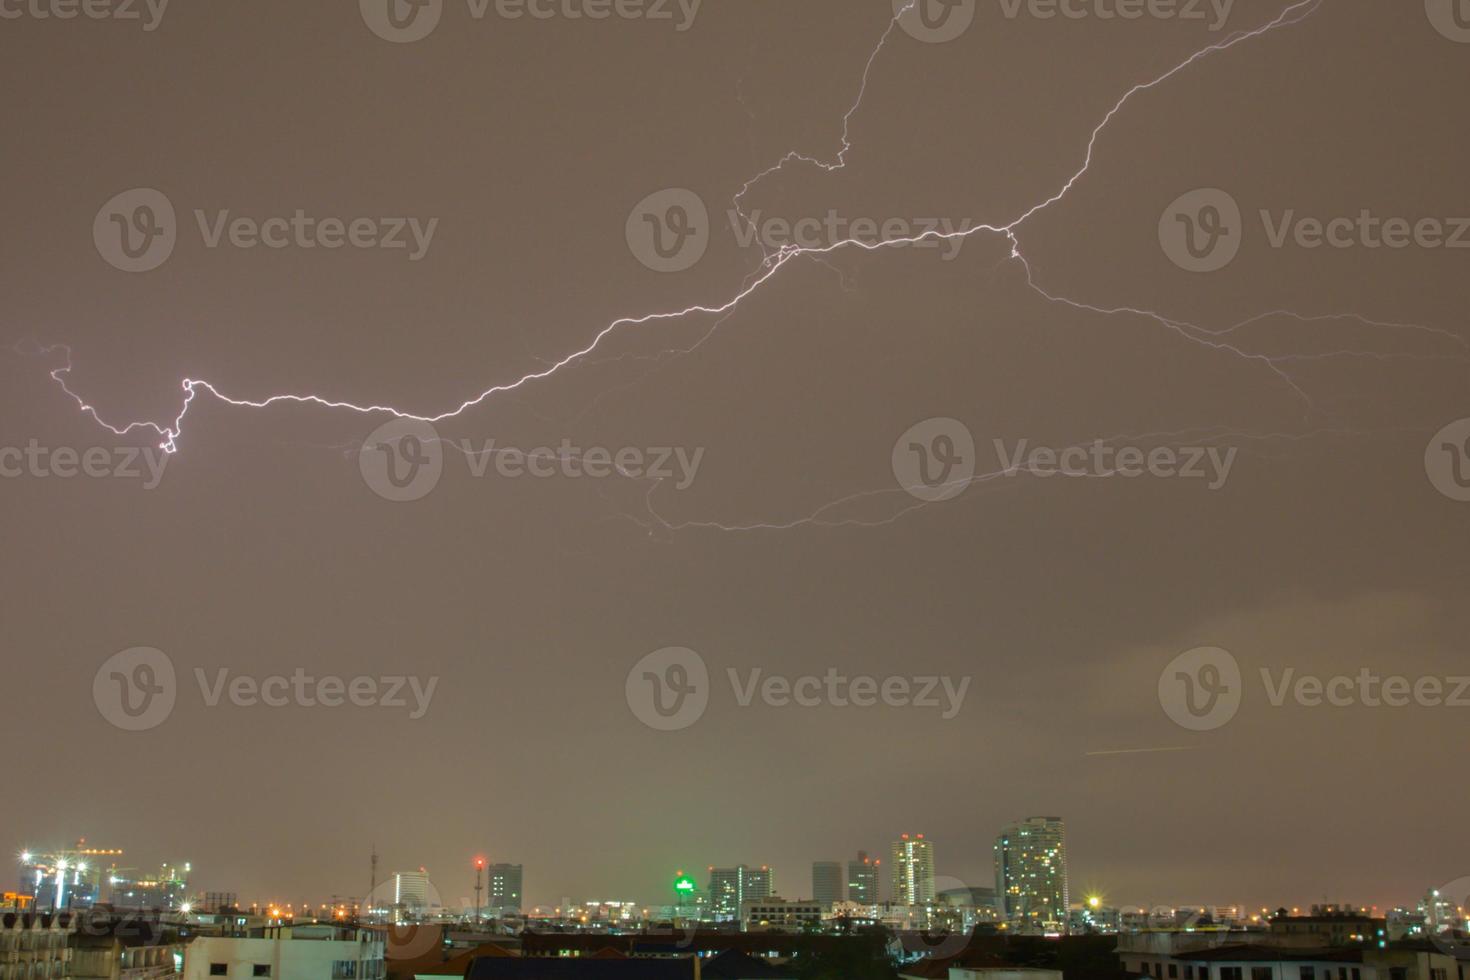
263	549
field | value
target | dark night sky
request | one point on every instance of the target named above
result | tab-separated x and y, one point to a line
263	551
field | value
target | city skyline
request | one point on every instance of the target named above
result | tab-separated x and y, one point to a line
617	445
441	888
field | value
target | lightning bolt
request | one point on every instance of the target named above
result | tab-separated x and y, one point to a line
835	513
773	262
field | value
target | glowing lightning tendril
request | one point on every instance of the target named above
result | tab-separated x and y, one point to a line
774	262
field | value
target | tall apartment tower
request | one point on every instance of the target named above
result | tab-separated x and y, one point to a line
862	880
912	870
729	887
827	887
1031	874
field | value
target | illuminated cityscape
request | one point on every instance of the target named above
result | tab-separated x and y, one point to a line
734	489
103	920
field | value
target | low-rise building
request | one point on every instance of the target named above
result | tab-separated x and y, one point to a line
779	915
35	945
129	948
289	952
1175	956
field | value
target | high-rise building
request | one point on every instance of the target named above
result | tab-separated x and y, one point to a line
412	891
64	879
1031	874
724	891
168	889
730	887
862	880
827	887
759	883
63	884
505	888
913	870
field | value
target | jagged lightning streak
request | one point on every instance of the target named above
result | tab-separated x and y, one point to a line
773	262
841	160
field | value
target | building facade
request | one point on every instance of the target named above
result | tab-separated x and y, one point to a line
35	945
505	889
129	948
862	880
288	953
168	889
412	892
912	868
731	888
1031	874
779	915
1190	956
827	885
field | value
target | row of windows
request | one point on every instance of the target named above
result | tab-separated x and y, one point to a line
223	970
341	970
33	971
1304	972
32	939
